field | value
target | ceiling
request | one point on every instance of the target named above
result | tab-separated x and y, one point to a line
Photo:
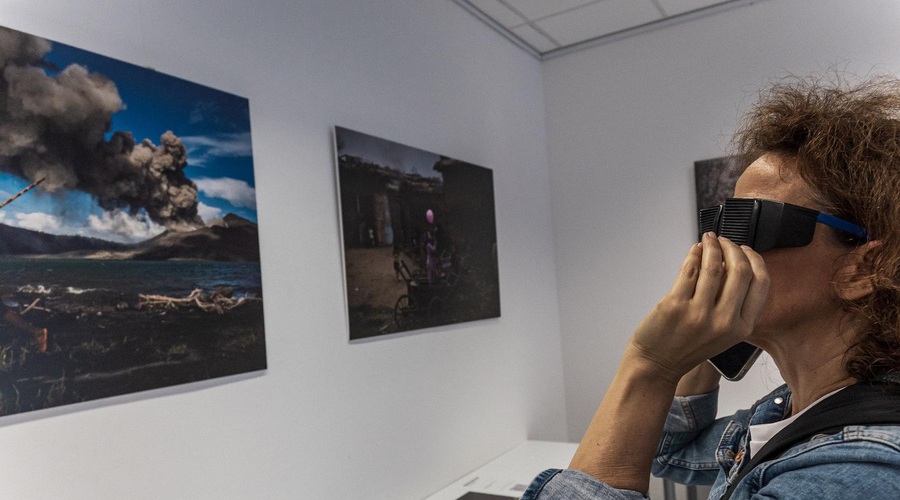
548	28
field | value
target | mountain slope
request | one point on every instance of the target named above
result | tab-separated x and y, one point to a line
235	238
18	241
232	239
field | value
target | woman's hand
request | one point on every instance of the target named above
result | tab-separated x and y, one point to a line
714	304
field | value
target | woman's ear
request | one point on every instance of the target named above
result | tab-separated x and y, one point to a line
853	280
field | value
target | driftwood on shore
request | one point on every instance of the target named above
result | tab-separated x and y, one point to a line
32	306
219	301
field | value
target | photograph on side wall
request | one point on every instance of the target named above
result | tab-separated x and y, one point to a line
419	237
129	250
715	180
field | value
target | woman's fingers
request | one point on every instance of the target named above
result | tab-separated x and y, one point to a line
714	303
737	308
738	275
712	269
746	283
686	282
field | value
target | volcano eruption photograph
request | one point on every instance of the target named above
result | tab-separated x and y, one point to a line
129	249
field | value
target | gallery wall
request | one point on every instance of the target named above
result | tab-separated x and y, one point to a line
626	120
393	418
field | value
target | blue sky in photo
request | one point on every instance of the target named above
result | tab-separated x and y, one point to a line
387	153
213	125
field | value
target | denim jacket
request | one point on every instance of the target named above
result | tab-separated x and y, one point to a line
860	462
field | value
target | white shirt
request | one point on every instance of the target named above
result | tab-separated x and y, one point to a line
761	434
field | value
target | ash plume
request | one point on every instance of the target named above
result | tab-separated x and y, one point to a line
54	124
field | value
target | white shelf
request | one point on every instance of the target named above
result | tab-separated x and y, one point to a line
509	474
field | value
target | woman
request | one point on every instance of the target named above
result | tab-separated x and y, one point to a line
828	313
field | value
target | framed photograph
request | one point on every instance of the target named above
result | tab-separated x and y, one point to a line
418	234
129	250
715	179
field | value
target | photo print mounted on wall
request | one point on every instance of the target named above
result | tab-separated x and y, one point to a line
715	179
129	252
419	237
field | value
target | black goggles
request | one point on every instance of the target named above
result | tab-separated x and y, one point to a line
764	224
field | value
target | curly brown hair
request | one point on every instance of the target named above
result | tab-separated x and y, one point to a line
845	138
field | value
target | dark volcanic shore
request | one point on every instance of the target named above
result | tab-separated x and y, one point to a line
100	352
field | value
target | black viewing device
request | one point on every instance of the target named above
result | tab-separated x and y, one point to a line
763	225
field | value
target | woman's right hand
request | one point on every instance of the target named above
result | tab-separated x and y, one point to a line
714	304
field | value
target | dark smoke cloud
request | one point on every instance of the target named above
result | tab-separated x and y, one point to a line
54	126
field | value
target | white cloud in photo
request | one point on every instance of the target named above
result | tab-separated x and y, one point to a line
235	191
123	227
202	147
38	221
208	213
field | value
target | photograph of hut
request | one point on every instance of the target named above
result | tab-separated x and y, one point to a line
419	237
129	250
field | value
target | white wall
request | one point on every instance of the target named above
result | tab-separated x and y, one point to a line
625	123
392	419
